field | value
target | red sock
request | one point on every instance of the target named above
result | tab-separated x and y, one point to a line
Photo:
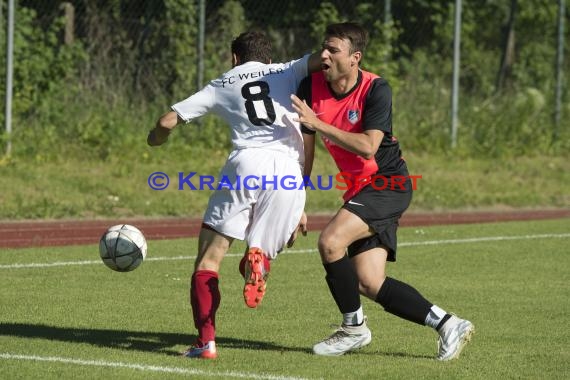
205	299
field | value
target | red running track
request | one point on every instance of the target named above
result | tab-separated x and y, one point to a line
77	232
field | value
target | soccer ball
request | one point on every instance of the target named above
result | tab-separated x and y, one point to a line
122	247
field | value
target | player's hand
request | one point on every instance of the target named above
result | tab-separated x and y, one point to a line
301	227
306	115
157	136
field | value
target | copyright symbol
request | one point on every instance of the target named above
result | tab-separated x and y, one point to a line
158	181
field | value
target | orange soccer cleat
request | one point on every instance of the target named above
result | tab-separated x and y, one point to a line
254	266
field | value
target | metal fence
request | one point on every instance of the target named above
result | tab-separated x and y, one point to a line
126	33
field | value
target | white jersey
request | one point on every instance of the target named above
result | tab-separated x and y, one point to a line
254	99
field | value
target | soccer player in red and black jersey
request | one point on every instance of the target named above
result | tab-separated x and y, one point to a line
351	109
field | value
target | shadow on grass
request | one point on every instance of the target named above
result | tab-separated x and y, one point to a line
405	355
130	340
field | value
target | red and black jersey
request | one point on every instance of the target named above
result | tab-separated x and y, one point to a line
367	106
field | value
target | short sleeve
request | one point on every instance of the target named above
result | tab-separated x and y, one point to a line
196	105
378	107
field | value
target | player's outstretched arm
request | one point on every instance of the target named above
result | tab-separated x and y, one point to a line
164	125
314	62
365	144
309	148
309	143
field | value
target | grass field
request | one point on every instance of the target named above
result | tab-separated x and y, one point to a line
63	314
91	189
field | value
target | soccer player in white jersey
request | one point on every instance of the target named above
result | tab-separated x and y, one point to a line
253	98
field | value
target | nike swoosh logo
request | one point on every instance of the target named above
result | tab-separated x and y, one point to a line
354	203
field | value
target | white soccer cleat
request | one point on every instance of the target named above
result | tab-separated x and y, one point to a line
346	338
207	351
454	335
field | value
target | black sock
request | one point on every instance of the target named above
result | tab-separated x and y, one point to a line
343	284
403	301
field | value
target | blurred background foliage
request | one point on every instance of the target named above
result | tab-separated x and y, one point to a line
91	77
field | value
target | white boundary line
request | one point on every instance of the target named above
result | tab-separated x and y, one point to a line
293	251
485	239
148	368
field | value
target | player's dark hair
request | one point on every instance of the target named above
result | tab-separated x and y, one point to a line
252	46
355	33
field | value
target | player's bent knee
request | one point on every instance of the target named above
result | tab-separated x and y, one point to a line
330	247
324	244
368	289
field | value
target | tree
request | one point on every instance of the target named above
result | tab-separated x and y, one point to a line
508	58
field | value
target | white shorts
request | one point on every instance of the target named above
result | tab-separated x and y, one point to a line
263	205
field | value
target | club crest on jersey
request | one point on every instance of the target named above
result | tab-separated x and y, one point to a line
353	116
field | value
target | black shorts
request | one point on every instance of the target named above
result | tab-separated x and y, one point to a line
381	210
